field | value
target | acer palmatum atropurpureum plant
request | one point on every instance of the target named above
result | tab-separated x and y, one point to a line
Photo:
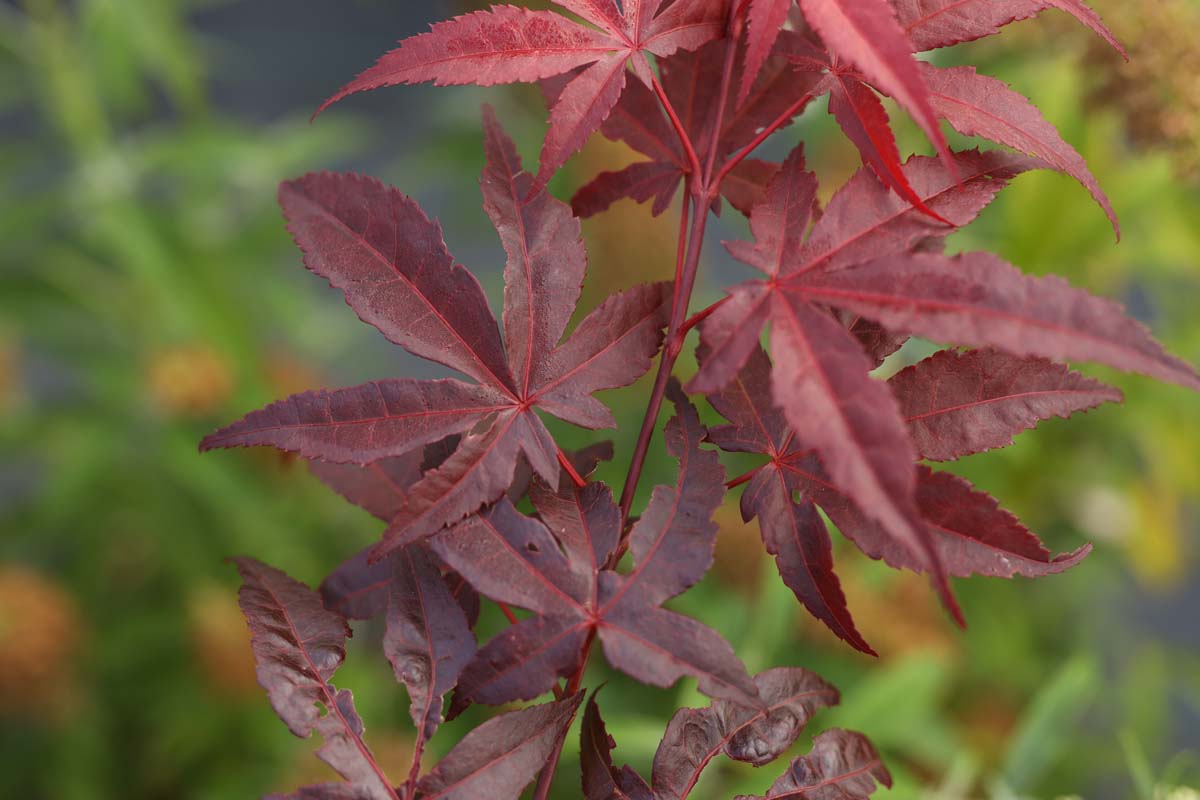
696	86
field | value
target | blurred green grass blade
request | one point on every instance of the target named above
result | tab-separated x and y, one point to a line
1139	765
1049	723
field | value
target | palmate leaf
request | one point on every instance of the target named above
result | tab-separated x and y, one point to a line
842	765
968	530
863	221
756	735
505	44
393	268
820	378
298	646
555	567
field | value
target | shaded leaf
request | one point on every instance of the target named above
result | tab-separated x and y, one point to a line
428	639
298	645
842	766
502	756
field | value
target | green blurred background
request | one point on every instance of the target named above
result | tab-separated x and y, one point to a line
150	293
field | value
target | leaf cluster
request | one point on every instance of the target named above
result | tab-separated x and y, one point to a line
695	86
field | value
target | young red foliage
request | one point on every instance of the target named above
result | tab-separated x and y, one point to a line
378	248
557	568
446	463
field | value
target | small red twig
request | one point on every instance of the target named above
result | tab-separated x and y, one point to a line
569	468
684	139
512	618
740	479
700	316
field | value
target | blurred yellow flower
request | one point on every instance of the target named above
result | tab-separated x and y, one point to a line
40	633
190	380
221	641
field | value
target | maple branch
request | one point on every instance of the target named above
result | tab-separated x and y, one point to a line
735	34
684	139
670	353
763	135
702	192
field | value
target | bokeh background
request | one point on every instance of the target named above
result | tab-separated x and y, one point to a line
150	293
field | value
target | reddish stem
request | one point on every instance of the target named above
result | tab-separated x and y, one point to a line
512	618
702	193
414	772
665	364
684	139
740	479
702	315
735	33
569	468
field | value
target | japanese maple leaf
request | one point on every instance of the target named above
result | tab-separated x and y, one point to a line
358	588
298	646
820	378
973	104
555	566
842	765
506	44
953	404
820	375
756	736
688	79
389	260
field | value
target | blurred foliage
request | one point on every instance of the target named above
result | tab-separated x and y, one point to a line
150	293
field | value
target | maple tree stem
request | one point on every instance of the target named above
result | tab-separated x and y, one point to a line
666	364
763	135
684	139
712	188
702	193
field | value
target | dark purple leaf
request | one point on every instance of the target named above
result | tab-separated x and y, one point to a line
298	645
842	766
503	755
428	639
